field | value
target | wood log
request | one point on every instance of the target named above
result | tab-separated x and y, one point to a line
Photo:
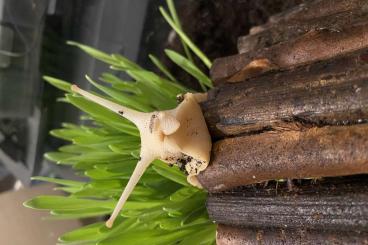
311	47
337	204
227	235
308	120
315	152
283	32
325	93
311	10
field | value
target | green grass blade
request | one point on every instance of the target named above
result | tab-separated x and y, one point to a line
95	53
58	83
162	67
96	156
69	125
60	157
186	39
176	20
66	203
156	236
123	149
64	182
104	115
189	67
206	235
78	149
124	99
183	193
128	86
172	173
162	85
78	213
126	63
67	189
86	233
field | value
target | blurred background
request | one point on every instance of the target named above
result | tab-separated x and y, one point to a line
33	35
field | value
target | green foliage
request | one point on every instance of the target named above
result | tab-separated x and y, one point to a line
177	24
163	208
162	67
60	84
184	38
189	67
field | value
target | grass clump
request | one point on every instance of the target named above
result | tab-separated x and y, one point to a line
163	208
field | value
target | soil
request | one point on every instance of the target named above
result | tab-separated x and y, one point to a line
216	25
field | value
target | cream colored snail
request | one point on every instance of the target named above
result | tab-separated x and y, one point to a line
177	135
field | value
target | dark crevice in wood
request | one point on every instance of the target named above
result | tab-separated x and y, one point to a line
257	132
329	204
228	235
314	152
324	186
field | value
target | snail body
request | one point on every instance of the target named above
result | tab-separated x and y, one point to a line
179	135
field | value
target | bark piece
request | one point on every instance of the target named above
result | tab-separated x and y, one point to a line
331	204
316	152
311	10
327	93
311	47
227	235
283	32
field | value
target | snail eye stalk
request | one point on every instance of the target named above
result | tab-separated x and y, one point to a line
137	174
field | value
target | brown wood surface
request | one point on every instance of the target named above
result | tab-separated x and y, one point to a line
311	10
329	204
334	92
292	105
288	31
317	8
315	152
227	235
317	45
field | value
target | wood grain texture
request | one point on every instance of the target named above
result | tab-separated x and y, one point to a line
325	93
228	235
287	31
292	105
310	10
311	47
337	204
315	152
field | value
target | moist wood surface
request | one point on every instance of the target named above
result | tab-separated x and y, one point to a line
330	204
317	45
309	11
326	93
292	105
228	235
288	31
315	9
315	152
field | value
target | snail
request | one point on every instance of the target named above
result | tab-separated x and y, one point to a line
174	136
